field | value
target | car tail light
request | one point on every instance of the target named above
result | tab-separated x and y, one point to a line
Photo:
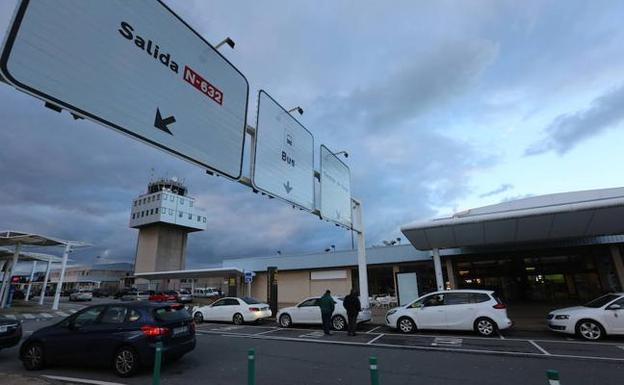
254	309
177	306
154	331
500	306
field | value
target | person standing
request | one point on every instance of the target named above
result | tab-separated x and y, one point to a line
352	306
326	303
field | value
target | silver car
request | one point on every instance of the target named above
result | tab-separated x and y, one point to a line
185	296
142	295
81	295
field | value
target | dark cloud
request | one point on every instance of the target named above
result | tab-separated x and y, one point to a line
499	190
568	130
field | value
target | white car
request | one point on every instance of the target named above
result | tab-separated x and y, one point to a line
81	295
478	310
592	321
308	312
233	309
205	292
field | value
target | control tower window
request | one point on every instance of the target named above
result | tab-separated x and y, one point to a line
191	203
190	216
204	219
133	216
181	201
180	214
156	210
170	211
157	197
152	212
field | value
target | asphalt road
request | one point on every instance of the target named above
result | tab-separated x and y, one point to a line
304	356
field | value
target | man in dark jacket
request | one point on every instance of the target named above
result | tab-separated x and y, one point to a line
326	303
352	306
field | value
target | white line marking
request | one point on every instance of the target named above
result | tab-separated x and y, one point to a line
375	339
267	332
541	349
62	313
81	380
313	335
501	336
10	316
446	341
72	311
46	315
28	316
372	330
428	348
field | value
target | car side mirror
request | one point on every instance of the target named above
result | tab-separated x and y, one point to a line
615	306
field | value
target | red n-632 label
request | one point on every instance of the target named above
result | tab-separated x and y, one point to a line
203	85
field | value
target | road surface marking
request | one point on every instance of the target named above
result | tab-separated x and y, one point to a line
541	349
501	336
28	316
312	335
267	332
416	347
46	315
621	347
372	330
375	339
446	341
10	316
62	313
72	311
227	328
80	380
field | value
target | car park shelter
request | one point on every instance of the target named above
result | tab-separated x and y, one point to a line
552	248
220	277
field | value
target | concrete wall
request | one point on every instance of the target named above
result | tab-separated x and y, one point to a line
293	286
160	247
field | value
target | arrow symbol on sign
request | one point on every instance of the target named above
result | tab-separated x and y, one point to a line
288	187
162	124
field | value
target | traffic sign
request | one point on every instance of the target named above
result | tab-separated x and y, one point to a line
335	189
136	67
284	155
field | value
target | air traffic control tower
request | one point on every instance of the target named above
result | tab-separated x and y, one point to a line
164	216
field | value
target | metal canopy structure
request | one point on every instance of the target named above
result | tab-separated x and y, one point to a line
544	218
19	239
541	219
195	273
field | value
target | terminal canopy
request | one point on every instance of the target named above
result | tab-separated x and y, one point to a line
544	218
189	274
6	254
11	238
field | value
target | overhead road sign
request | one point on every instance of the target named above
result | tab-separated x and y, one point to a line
284	155
134	66
335	189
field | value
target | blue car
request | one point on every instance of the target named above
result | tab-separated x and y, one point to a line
10	332
122	336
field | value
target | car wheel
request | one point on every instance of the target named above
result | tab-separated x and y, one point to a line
485	327
339	323
125	362
406	325
198	317
285	321
589	330
32	358
238	319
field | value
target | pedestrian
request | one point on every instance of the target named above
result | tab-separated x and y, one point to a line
326	303
352	305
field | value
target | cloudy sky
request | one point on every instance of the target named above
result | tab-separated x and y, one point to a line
442	106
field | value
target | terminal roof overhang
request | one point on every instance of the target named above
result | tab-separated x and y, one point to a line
6	254
545	218
10	238
195	273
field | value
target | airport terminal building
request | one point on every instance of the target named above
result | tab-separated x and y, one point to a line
551	249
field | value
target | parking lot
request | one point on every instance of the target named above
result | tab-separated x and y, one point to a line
534	344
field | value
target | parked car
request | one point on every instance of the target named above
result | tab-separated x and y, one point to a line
205	292
121	336
81	295
10	333
309	312
102	292
233	309
592	321
478	310
18	294
120	293
185	296
137	295
164	296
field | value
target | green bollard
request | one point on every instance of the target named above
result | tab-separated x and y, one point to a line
251	366
553	377
157	360
374	375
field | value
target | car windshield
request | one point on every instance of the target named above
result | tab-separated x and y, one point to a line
185	291
250	300
601	301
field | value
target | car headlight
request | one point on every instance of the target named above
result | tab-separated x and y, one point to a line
562	316
391	312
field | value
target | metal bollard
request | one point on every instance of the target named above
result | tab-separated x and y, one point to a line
251	366
374	375
553	377
157	361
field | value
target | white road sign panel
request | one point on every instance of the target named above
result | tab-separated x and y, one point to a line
284	155
335	189
134	66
